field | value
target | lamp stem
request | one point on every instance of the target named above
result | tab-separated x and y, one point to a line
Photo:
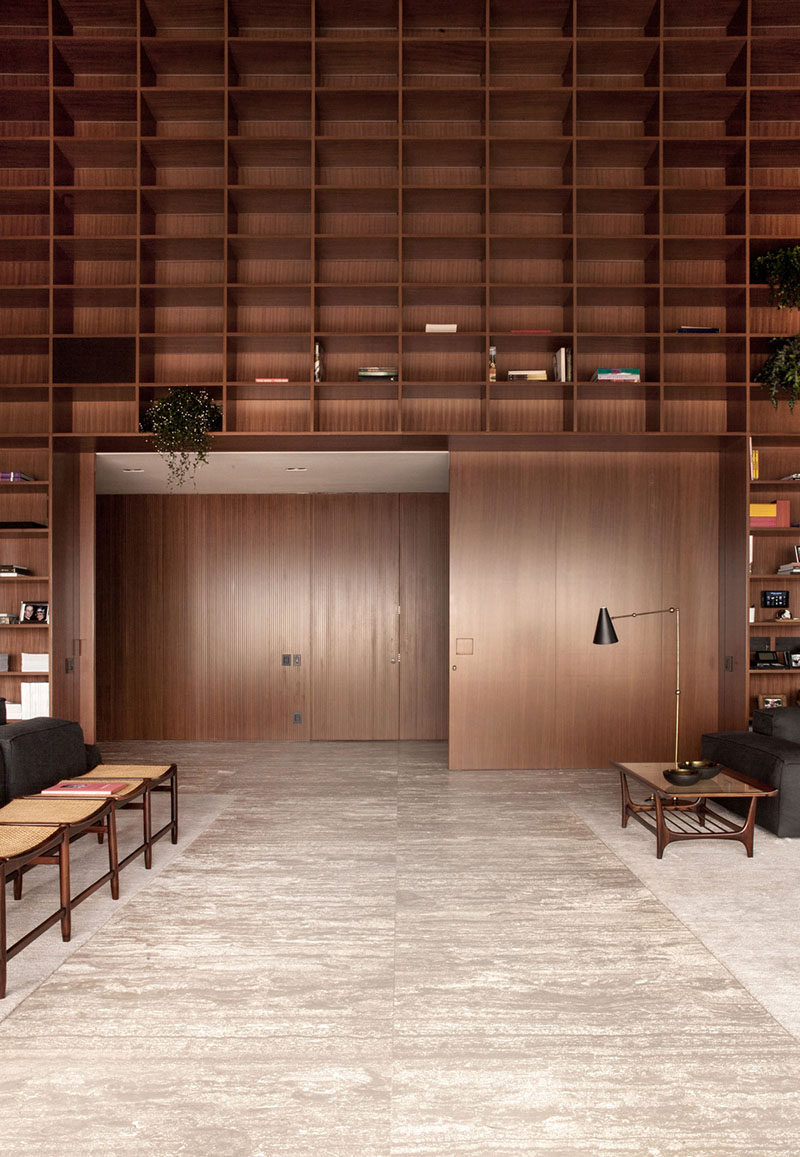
677	680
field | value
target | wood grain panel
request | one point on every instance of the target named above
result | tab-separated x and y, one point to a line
424	615
354	616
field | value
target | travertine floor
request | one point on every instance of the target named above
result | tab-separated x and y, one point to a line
365	955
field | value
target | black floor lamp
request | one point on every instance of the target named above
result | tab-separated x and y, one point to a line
604	633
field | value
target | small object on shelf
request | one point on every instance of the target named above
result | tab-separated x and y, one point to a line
377	373
317	361
562	364
35	699
35	662
15	476
434	327
271	379
34	613
786	615
492	363
3	661
754	463
769	702
789	568
8	570
775	599
605	374
785	477
697	329
527	375
774	514
13	711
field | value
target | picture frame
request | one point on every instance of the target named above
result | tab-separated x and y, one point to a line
794	658
765	702
5	619
30	612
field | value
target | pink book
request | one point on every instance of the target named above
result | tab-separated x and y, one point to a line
85	787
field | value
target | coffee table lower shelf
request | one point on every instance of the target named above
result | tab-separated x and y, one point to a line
674	814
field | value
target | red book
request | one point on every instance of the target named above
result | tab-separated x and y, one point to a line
85	787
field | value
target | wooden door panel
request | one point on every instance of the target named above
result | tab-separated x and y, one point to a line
424	615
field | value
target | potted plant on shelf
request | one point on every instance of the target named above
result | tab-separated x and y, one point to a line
780	269
181	423
780	373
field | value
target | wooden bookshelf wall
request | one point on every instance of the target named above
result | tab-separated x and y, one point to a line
196	194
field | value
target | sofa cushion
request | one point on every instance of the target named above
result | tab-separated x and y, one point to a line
782	722
36	753
771	760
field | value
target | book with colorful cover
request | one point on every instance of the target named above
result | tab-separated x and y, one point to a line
85	787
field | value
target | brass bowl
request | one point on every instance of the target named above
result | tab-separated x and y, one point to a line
706	767
681	778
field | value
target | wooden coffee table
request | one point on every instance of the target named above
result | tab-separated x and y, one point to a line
682	813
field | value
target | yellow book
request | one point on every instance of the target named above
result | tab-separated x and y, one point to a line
763	509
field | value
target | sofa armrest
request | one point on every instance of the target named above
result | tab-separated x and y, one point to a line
773	761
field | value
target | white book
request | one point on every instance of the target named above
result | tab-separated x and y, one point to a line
13	710
35	700
34	661
560	364
433	328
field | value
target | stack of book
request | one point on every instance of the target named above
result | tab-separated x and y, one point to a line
527	375
770	513
377	373
33	662
607	374
789	568
441	327
15	476
35	700
697	329
13	711
562	364
9	571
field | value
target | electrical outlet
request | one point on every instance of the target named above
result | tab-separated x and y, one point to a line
297	660
297	717
286	660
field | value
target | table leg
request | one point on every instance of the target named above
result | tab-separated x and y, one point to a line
662	831
626	798
748	829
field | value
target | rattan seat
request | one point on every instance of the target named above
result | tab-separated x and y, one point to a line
158	777
22	846
43	809
129	771
16	841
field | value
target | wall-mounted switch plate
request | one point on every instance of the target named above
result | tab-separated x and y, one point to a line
286	660
297	660
297	717
69	666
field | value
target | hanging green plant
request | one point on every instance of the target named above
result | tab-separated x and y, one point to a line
181	423
780	373
780	269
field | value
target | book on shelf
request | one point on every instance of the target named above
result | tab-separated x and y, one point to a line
436	327
788	568
13	711
770	513
786	477
85	787
8	570
35	662
623	374
3	660
25	524
271	379
35	700
697	329
15	476
562	364
377	373
530	331
527	375
753	461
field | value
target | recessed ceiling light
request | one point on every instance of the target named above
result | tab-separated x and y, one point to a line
133	469
296	468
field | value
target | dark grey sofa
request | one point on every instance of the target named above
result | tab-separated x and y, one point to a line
36	753
771	753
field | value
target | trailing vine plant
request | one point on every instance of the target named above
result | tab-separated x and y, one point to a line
181	423
780	373
780	269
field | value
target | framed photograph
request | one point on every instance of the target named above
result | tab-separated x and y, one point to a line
34	613
794	658
767	701
4	619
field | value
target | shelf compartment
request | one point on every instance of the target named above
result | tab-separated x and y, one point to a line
269	357
182	310
269	212
95	262
24	213
529	261
519	19
356	212
29	459
775	462
24	114
438	164
443	114
530	212
95	213
357	18
268	114
79	19
616	164
617	310
774	63
704	359
266	310
522	307
269	19
617	408
183	164
441	408
442	19
773	18
101	115
704	115
95	164
625	18
23	409
527	352
514	164
25	62
775	165
357	163
692	164
357	260
624	350
530	115
94	410
183	212
713	18
766	319
769	552
530	407
621	64
357	114
617	261
24	262
90	360
26	550
282	65
93	310
28	506
616	115
269	261
24	311
170	19
436	357
181	359
182	64
342	355
444	64
182	261
765	419
526	67
616	213
461	305
94	64
710	306
357	64
365	309
697	261
24	163
703	409
443	260
180	115
705	64
704	213
364	407
775	118
443	212
279	408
